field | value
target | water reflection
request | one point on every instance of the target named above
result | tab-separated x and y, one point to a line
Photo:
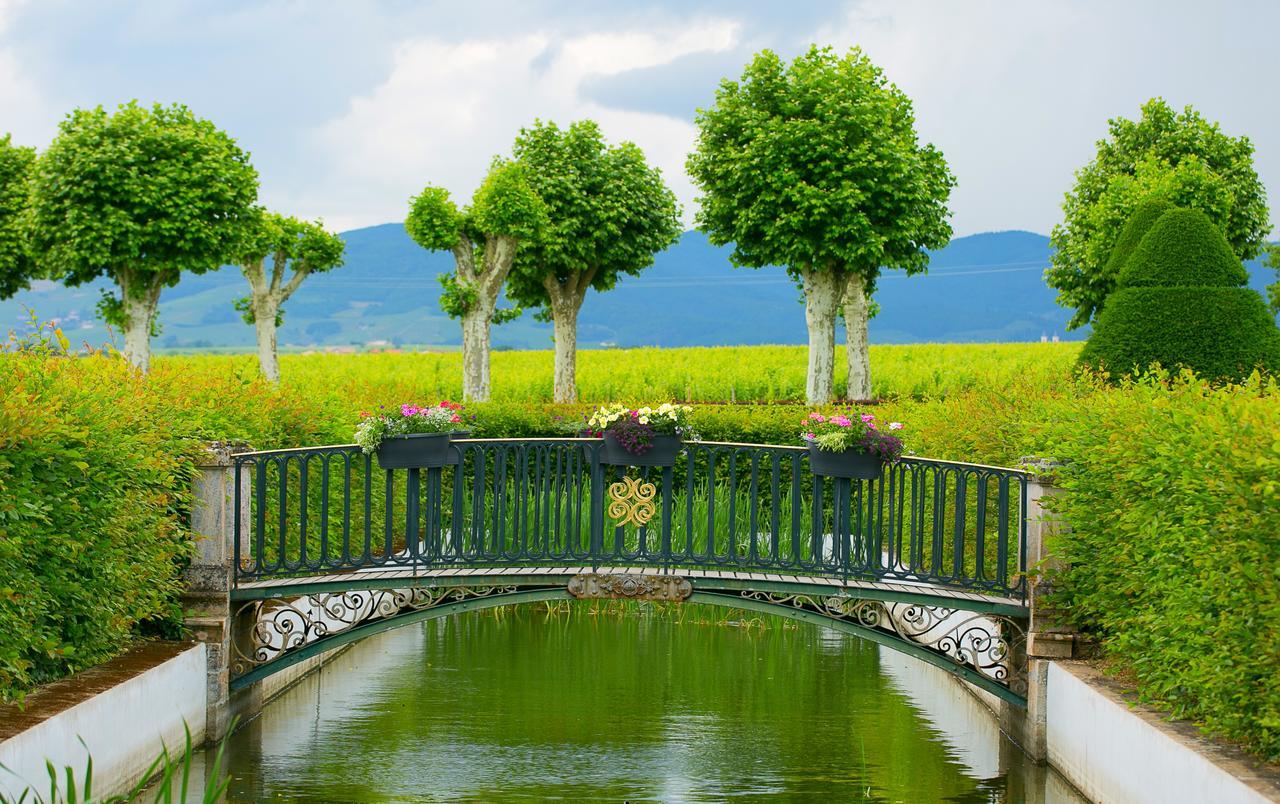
650	706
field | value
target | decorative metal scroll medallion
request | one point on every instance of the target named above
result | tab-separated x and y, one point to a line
630	587
631	501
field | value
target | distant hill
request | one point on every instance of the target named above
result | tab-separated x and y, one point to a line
985	287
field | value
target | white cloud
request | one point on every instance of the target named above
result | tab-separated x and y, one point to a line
1015	94
26	114
447	108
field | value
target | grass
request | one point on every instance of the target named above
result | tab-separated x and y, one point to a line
762	374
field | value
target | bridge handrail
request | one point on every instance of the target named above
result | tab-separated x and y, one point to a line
570	439
725	506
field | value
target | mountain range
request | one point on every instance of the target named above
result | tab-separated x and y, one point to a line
980	288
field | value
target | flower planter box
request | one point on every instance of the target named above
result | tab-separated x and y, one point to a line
663	452
848	464
415	451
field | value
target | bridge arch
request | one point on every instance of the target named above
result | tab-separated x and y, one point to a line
980	641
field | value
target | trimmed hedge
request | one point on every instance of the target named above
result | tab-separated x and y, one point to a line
1173	500
95	481
1140	222
1180	304
1183	249
1222	333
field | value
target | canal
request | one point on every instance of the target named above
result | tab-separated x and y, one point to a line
627	702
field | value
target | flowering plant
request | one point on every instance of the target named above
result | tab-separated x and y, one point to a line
634	428
406	420
837	433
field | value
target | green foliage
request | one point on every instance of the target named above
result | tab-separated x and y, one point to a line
1183	249
506	205
608	211
1173	498
816	164
1181	158
1273	290
110	309
1144	216
153	192
96	465
1220	333
456	297
1180	304
434	221
1173	484
294	248
16	265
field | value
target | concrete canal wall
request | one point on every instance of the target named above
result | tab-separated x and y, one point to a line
125	712
1112	751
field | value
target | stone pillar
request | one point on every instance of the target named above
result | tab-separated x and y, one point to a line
207	600
1048	636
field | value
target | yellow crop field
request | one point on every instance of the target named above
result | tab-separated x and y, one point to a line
697	374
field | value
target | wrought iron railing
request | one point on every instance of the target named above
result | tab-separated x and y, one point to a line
551	502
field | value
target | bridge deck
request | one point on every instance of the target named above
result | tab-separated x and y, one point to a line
764	581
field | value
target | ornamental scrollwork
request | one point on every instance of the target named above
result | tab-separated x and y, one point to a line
282	626
631	501
990	644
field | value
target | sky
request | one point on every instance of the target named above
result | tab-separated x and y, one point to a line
351	108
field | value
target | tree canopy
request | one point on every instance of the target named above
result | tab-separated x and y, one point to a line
139	195
156	191
505	215
16	266
1179	157
608	211
816	163
503	208
295	249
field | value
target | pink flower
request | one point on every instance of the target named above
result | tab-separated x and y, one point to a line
455	419
817	417
841	421
409	410
895	425
867	418
808	436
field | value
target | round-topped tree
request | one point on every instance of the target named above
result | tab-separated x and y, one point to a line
1181	302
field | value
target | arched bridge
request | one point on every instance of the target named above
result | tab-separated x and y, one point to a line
930	559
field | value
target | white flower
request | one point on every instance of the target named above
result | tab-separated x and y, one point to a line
644	419
895	425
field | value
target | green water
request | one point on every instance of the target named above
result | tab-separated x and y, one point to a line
643	706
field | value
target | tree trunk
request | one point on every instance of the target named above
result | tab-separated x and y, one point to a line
857	308
140	302
475	350
264	322
566	301
821	299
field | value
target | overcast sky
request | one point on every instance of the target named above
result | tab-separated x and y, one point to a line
350	108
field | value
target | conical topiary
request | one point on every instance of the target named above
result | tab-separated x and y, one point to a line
1144	215
1180	302
1183	249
